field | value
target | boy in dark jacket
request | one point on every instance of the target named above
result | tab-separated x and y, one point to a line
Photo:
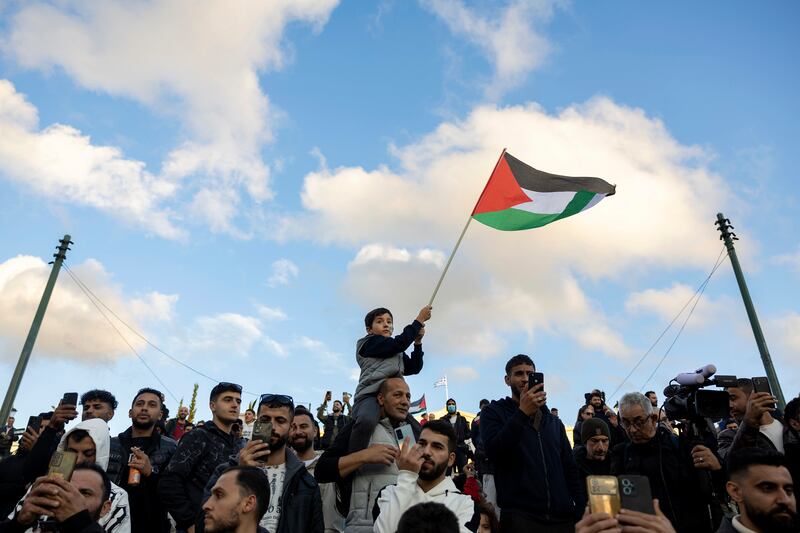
535	472
198	455
382	356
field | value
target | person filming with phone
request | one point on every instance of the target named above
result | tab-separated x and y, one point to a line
295	505
535	472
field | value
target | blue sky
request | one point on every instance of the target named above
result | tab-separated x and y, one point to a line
243	186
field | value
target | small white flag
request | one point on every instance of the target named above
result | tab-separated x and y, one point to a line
441	382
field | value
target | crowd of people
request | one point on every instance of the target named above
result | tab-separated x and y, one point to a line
373	467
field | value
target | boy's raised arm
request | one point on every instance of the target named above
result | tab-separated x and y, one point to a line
382	347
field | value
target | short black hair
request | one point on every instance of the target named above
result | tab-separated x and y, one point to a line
252	480
519	359
792	410
428	517
370	318
248	410
442	427
484	402
148	390
99	394
223	387
742	459
302	411
102	473
648	393
77	435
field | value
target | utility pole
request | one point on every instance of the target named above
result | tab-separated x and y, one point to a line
724	226
16	379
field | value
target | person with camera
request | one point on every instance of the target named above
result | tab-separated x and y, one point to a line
678	471
138	456
333	423
535	472
74	506
295	505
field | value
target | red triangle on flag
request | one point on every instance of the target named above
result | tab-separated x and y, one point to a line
501	192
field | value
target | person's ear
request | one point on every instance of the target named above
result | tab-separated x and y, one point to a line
506	378
381	400
105	508
734	491
130	413
451	459
249	503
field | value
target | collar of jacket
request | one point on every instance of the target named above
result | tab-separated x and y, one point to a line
126	437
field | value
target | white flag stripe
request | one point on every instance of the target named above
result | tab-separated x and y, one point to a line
547	203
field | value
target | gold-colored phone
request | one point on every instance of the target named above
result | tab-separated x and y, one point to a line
603	494
62	464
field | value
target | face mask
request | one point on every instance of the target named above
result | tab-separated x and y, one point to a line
451	409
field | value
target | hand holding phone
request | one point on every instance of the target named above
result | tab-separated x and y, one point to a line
70	398
535	378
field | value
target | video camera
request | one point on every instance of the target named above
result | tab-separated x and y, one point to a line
687	399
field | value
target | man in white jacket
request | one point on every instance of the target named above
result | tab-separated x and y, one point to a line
422	479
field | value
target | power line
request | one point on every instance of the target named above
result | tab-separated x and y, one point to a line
80	286
86	289
697	301
700	288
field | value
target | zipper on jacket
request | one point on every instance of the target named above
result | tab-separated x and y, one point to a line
546	476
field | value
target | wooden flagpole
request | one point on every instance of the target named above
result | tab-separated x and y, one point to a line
463	231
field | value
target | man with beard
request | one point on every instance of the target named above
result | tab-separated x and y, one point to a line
140	447
198	455
247	427
238	501
301	438
422	479
592	458
762	487
176	427
294	504
75	505
334	422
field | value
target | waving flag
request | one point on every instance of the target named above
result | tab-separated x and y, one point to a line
420	406
517	196
441	382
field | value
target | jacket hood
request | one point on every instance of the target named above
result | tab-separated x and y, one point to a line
443	488
98	431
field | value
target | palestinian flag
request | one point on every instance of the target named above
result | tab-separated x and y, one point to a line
518	196
418	407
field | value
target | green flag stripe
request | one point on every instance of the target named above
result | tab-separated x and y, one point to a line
517	219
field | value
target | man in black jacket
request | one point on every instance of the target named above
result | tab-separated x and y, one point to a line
592	457
461	427
334	422
295	505
142	448
535	472
683	477
198	455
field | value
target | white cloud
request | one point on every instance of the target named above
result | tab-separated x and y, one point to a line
667	303
61	163
792	260
73	328
204	73
787	329
463	373
223	335
327	360
270	314
532	281
283	271
508	37
388	253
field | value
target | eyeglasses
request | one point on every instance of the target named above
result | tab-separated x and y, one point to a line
637	423
280	399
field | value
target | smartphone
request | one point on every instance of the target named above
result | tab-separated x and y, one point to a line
535	378
328	395
262	431
635	495
405	431
70	398
761	384
35	423
603	494
62	464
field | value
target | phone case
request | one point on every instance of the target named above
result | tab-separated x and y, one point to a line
62	464
603	494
